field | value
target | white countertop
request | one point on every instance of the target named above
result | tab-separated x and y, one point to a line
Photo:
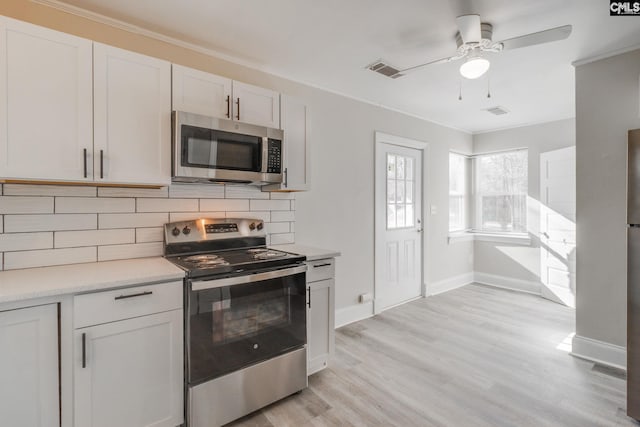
17	285
310	252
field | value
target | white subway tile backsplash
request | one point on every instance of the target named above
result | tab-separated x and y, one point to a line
44	225
270	205
277	227
196	191
47	257
53	222
133	192
167	205
25	241
150	234
264	216
222	205
25	205
94	205
280	239
132	220
244	192
186	216
138	250
71	239
277	195
283	216
293	205
49	190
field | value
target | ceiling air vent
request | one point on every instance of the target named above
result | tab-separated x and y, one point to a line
498	111
385	69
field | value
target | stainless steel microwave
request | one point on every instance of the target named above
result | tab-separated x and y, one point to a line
207	149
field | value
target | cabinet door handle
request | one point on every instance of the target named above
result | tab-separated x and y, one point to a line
141	294
84	157
101	164
84	350
238	104
286	176
309	297
322	265
228	106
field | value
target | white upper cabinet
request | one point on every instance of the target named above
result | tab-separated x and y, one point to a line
202	93
295	124
256	105
132	117
45	103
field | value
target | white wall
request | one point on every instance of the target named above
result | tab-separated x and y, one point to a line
607	105
521	263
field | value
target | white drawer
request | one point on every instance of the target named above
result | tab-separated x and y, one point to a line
125	303
321	269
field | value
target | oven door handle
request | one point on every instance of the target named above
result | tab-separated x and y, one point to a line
248	278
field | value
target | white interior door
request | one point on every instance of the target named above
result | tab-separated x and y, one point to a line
398	252
558	225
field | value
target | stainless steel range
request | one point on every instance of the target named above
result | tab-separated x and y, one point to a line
245	318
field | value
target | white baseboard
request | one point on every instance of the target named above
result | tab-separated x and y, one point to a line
353	313
450	283
505	282
599	351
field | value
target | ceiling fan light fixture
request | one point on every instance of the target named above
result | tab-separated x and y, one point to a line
474	67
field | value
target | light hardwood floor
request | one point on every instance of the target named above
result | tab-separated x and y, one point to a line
474	356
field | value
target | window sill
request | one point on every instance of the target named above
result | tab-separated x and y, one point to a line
514	239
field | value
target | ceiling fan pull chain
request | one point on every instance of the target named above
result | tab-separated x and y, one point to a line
460	93
488	86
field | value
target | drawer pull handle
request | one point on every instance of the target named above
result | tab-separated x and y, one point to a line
84	350
141	294
322	265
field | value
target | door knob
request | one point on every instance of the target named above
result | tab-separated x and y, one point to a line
419	230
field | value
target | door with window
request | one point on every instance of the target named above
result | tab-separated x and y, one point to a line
398	253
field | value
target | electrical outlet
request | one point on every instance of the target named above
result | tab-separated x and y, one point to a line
434	209
365	298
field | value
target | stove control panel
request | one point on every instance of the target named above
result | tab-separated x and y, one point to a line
204	229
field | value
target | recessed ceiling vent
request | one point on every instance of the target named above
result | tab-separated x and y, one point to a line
385	69
497	110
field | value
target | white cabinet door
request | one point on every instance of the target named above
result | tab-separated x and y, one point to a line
294	118
132	374
45	103
320	325
203	93
132	117
256	105
29	395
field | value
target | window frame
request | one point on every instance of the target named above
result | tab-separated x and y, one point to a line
465	195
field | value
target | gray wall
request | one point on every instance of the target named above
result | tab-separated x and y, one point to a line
513	261
606	107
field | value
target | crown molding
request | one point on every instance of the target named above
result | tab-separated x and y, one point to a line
605	55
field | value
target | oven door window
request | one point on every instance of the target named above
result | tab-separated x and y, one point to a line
215	149
235	326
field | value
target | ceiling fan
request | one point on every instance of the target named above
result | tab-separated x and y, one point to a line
474	41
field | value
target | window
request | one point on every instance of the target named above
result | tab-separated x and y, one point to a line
501	192
458	194
400	191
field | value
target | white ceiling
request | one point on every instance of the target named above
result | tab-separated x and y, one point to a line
329	43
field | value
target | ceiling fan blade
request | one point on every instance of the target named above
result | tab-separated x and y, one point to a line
546	36
437	61
469	27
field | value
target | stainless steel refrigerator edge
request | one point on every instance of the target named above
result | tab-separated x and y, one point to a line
633	275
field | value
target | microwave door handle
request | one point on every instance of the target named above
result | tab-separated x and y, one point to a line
248	278
228	106
238	108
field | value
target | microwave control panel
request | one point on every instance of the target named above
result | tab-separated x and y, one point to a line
274	156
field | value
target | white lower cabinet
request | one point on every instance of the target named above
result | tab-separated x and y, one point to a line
320	314
29	379
129	372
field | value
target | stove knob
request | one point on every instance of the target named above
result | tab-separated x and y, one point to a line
175	231
186	229
252	226
260	226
